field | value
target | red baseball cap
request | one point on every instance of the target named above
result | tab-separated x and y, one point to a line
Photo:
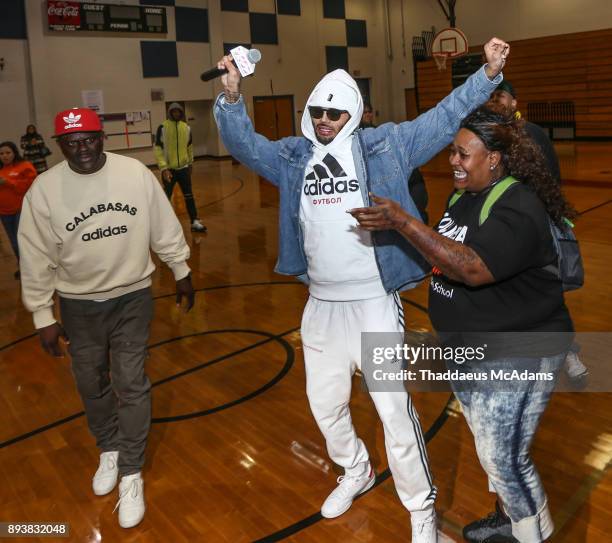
77	119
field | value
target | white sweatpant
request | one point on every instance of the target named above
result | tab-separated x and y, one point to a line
331	336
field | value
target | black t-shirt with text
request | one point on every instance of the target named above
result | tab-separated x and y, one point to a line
515	243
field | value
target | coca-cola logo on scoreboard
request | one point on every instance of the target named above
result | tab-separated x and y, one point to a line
62	13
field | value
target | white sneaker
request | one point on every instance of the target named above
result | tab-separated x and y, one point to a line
574	367
197	226
105	478
131	500
425	530
341	499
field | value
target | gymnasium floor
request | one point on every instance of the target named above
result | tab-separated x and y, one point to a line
234	454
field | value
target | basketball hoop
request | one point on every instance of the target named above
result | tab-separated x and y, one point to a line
448	43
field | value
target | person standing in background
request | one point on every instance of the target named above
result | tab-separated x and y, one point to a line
16	176
174	154
34	149
504	100
367	117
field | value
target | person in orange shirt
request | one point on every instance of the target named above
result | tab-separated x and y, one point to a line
16	176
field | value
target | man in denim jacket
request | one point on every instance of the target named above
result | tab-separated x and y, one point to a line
354	277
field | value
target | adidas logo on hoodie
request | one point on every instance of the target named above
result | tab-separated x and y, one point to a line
322	180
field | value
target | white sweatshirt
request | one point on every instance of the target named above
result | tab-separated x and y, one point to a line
88	236
341	261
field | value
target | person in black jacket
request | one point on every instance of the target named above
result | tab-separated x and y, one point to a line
504	99
34	149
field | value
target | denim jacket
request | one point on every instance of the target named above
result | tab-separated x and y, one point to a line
384	159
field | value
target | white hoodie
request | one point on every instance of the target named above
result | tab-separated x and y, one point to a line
341	261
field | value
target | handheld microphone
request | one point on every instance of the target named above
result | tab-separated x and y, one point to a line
244	59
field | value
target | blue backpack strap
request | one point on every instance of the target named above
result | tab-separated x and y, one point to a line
495	194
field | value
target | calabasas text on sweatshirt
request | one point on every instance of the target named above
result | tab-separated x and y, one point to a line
89	236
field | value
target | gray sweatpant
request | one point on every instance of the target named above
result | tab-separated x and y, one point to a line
108	346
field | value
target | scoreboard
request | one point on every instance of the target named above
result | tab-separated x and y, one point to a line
83	16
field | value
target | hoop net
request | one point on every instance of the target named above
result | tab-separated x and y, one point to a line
440	58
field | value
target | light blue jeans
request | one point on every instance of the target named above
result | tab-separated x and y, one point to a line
503	416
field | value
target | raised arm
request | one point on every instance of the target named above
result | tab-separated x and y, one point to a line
433	130
237	132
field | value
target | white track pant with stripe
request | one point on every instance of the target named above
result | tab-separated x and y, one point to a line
331	336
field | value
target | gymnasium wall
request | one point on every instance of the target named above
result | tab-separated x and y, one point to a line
64	64
47	71
573	68
480	20
522	19
15	98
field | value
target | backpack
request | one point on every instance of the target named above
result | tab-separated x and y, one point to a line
568	268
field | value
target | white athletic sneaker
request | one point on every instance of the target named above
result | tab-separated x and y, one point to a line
197	226
105	478
131	500
341	499
574	367
425	530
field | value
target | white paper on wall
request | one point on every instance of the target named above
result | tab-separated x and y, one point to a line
93	99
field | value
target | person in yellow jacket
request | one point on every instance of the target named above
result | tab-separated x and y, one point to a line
174	154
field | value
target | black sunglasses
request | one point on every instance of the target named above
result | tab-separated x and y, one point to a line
332	114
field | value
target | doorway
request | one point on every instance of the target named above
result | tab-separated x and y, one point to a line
274	117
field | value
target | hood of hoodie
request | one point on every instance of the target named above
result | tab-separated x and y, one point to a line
337	90
175	105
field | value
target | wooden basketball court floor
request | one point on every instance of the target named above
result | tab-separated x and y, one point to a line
234	454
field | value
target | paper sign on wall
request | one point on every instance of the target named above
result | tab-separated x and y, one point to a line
93	99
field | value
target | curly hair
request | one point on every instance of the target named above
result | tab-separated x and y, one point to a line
13	147
520	157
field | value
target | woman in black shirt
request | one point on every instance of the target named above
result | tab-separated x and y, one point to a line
489	289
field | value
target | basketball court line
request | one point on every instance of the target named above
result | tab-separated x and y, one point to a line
580	213
561	518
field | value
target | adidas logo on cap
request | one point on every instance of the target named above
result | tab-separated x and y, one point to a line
78	119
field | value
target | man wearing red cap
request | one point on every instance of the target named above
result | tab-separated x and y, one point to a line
86	228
